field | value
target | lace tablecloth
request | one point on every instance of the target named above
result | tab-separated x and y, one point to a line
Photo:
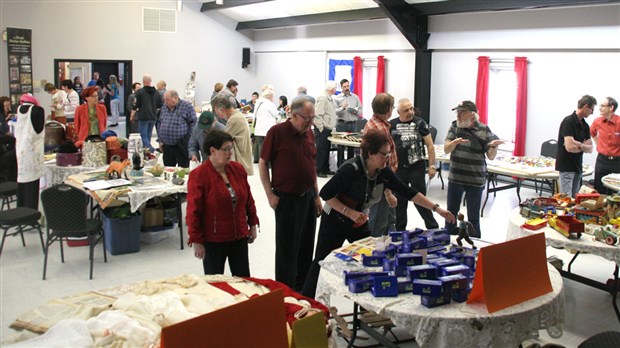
612	181
555	239
56	174
140	194
455	324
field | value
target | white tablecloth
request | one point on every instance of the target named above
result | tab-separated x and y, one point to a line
455	324
557	240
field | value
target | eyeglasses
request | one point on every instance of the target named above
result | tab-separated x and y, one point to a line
94	95
305	118
604	106
385	154
227	149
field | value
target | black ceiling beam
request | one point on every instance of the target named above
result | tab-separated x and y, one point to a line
408	20
319	18
458	6
209	6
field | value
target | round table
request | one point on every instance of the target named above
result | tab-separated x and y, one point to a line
612	181
455	324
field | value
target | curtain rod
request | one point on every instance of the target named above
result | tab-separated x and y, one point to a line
503	60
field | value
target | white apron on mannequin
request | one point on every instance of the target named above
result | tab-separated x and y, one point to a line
29	148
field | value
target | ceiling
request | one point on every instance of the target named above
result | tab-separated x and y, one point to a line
270	14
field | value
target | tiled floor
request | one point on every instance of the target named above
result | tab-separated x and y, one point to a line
588	311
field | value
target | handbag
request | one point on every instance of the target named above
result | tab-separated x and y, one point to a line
94	154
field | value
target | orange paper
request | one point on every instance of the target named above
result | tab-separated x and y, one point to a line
257	322
511	272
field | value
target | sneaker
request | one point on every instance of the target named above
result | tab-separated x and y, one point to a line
321	175
329	172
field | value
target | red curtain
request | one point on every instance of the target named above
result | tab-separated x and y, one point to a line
521	70
358	78
380	74
482	88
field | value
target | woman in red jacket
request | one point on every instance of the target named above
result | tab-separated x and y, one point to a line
221	215
91	117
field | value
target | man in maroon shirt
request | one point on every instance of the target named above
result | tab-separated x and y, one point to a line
292	191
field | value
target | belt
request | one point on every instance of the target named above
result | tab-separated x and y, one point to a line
611	158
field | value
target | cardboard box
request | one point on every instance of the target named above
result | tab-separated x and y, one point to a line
153	215
386	286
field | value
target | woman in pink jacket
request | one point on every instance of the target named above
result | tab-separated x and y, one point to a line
221	215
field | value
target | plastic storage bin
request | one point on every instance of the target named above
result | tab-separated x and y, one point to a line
122	235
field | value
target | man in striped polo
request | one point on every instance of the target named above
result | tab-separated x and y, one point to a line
468	142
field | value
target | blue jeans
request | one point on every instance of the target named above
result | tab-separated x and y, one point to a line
473	198
146	132
570	183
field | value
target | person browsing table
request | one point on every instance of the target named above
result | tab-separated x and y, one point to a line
359	184
605	132
221	214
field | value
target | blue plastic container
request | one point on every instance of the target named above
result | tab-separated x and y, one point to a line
122	236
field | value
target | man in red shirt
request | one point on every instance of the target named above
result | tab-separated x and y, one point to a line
383	214
605	132
292	191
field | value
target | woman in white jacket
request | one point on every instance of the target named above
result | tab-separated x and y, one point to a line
265	116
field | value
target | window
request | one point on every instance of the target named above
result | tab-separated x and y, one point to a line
502	113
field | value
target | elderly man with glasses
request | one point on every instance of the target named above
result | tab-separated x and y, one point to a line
573	140
605	132
292	191
468	142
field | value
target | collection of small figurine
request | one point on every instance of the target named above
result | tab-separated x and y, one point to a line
590	213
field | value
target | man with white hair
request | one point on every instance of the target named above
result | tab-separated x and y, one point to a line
468	141
174	128
265	117
324	122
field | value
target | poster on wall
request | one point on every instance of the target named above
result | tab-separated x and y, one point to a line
341	69
19	50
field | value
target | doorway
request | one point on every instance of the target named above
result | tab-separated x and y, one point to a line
84	68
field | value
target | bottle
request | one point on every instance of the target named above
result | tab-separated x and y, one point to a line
134	145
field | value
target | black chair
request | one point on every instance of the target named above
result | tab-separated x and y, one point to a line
360	124
20	217
547	149
65	210
8	193
433	131
607	339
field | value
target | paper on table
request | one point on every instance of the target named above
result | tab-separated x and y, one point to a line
105	184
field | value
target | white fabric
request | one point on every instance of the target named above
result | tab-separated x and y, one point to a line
117	329
29	148
455	324
66	333
265	116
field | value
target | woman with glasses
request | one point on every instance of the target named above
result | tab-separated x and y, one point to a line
349	194
91	117
221	215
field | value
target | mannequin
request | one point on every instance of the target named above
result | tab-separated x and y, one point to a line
29	148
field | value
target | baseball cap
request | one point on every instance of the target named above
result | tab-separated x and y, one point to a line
205	121
466	105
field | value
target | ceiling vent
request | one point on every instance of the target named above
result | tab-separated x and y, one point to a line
159	20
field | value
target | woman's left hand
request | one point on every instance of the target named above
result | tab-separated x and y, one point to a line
253	234
446	215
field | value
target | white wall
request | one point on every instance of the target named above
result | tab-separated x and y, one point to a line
291	57
573	65
107	30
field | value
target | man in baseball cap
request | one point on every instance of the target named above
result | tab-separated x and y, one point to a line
468	142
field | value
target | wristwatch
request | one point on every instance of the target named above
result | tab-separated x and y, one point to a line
435	207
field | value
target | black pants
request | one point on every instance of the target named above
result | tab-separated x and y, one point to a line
295	229
28	194
257	147
335	229
8	165
347	127
322	150
176	154
414	176
604	166
236	252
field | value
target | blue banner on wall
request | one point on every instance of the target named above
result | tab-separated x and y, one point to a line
341	69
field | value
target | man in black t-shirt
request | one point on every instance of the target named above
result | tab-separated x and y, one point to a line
573	141
411	135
